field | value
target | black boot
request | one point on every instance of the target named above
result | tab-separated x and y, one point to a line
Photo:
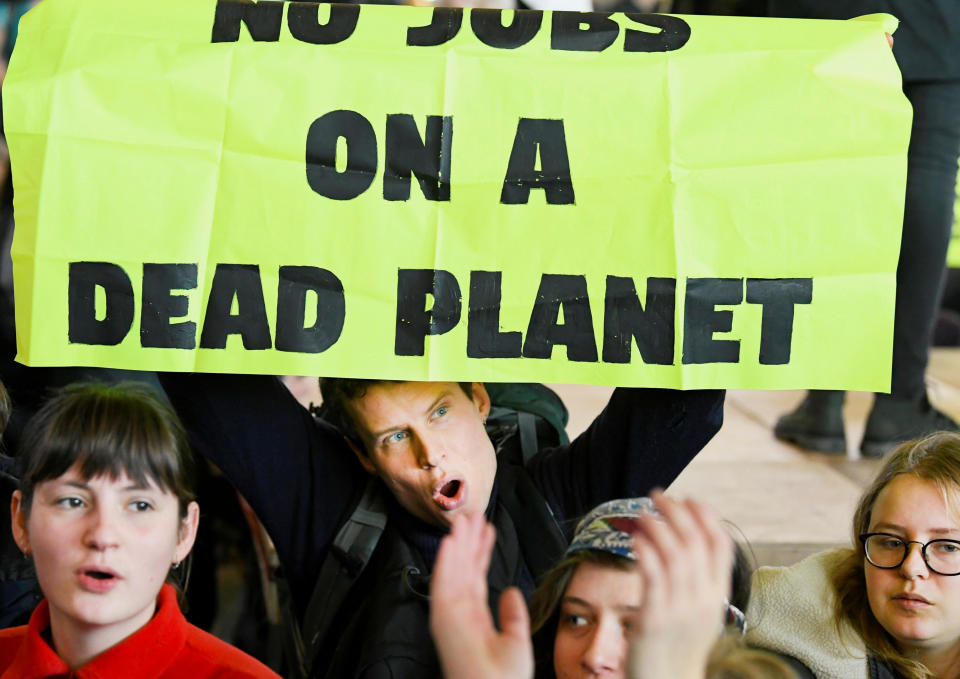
893	421
816	424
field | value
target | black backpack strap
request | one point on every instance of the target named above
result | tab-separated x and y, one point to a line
348	556
542	541
527	428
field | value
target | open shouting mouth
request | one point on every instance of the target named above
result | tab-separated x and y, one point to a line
97	579
450	493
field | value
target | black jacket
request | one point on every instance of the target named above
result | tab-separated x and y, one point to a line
302	480
927	43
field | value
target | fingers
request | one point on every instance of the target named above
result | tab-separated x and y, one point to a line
514	618
461	566
458	602
684	557
718	542
485	537
688	534
654	581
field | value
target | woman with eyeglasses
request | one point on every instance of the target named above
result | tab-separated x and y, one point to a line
894	596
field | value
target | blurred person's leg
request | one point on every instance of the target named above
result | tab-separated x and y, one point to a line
927	222
905	413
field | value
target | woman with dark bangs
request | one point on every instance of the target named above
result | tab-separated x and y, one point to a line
106	512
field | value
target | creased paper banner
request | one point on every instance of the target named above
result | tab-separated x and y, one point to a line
417	193
953	253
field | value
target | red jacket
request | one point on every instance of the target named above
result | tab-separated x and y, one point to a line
167	647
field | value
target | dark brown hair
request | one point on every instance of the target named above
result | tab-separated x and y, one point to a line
935	458
107	430
545	605
337	392
5	408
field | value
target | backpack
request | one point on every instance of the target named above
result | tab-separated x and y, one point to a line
529	412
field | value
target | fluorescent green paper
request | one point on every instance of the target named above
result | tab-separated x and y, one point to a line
759	149
953	254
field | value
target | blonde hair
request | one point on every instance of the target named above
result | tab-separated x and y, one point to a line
732	659
935	458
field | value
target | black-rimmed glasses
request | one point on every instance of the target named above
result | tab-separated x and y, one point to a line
884	550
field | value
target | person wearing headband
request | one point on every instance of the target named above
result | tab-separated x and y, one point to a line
641	592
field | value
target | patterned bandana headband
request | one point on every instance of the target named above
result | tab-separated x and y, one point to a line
609	528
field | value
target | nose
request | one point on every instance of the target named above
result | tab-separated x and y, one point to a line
431	450
605	652
101	533
914	566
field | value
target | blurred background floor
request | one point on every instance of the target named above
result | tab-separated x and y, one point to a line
787	502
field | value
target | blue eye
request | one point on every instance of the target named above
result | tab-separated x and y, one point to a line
396	437
70	502
441	411
946	546
141	505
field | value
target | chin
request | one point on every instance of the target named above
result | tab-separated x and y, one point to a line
912	635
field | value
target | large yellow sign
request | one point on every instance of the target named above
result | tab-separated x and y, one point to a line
418	193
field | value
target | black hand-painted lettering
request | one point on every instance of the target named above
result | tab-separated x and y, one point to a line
487	25
240	282
414	321
546	137
304	22
576	332
651	324
484	339
429	160
263	19
83	327
701	319
778	297
583	31
674	33
292	333
159	306
322	174
444	24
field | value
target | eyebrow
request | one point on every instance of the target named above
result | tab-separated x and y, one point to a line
577	601
83	485
429	409
433	406
897	527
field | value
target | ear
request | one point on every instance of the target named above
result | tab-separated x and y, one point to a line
18	522
481	399
188	532
362	457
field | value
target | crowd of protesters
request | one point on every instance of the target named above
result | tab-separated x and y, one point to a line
106	514
399	533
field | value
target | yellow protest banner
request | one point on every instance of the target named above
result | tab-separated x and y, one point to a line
953	253
415	193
